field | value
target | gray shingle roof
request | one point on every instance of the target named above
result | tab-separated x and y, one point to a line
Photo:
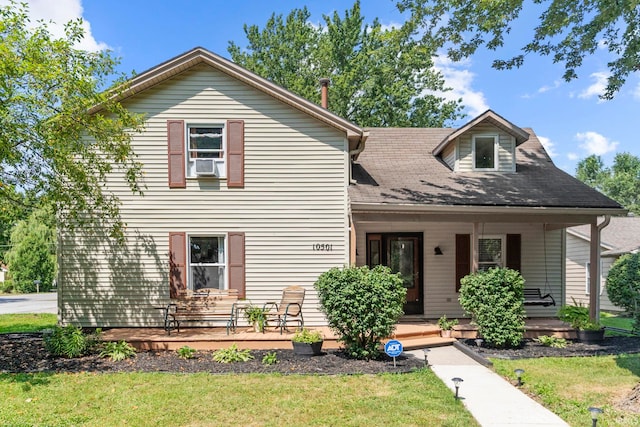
398	167
621	236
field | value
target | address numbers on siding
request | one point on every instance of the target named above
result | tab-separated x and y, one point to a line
322	247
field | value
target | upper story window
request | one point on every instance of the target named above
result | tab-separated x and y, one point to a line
205	151
207	263
485	152
490	253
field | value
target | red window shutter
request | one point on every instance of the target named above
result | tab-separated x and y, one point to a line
176	147
236	263
177	263
463	257
235	153
514	244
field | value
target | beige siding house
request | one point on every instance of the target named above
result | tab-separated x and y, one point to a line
272	211
621	236
253	188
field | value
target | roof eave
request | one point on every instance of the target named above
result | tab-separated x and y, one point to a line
180	63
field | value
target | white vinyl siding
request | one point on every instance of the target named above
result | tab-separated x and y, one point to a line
506	161
578	256
295	196
449	156
440	296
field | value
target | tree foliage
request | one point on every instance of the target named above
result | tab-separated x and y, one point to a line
567	31
53	142
621	181
379	77
495	300
623	285
362	306
32	255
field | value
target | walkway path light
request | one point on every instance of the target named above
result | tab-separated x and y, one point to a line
426	362
456	383
519	373
594	415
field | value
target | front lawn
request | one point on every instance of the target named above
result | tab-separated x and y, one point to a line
416	399
570	385
15	323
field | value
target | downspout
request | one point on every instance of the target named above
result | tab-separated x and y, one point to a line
594	269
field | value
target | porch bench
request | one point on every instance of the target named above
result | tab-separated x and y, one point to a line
533	296
203	305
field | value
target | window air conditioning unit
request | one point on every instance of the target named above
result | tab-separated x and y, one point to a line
205	167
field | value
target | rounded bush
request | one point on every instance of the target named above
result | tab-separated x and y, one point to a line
494	298
623	285
362	306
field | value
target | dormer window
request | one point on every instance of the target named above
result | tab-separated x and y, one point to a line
485	152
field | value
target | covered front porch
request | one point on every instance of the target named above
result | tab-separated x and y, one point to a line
414	332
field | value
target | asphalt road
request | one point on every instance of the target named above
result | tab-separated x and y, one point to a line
29	303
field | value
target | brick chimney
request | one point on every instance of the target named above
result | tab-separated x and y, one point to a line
324	90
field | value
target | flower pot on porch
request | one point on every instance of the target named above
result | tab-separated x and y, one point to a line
307	349
590	336
445	333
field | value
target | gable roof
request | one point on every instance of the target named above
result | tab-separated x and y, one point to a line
621	236
398	168
199	55
489	117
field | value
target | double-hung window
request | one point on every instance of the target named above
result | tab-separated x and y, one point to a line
490	253
485	152
207	262
205	151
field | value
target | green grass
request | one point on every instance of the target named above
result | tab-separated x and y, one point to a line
568	386
12	323
415	399
147	399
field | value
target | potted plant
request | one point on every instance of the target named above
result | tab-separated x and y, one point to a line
446	326
256	317
578	317
307	342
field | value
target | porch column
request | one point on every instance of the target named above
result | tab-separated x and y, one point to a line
594	269
474	247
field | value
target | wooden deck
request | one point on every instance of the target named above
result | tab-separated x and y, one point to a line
413	332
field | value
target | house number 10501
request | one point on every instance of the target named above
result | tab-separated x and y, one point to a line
326	247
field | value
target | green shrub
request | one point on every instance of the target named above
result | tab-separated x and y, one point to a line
549	341
623	286
186	352
446	324
576	315
494	298
6	286
232	355
117	351
362	306
70	341
270	358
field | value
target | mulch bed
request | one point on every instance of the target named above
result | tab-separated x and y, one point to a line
533	349
26	353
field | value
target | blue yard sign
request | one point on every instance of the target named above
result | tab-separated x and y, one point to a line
393	349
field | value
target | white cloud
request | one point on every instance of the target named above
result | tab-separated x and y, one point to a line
594	143
556	84
460	80
548	146
56	14
597	88
572	156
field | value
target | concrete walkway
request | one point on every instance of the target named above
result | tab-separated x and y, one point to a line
492	400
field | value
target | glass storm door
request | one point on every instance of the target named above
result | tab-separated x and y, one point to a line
402	253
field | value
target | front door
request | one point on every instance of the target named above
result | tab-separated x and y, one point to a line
402	252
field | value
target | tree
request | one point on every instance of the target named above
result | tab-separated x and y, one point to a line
568	31
621	182
32	255
379	77
10	214
61	133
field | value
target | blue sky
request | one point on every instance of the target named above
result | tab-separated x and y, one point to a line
569	117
